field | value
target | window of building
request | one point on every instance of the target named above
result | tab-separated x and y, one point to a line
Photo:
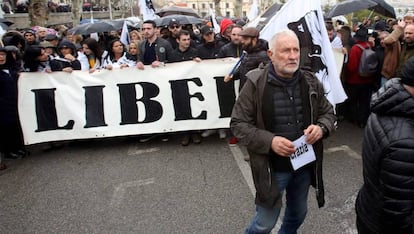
227	5
211	5
203	5
194	6
227	13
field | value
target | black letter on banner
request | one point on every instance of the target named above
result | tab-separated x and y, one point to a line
181	99
129	108
226	96
46	111
94	106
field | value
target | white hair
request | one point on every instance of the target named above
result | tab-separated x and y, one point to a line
286	32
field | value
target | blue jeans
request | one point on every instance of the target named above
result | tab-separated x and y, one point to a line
296	185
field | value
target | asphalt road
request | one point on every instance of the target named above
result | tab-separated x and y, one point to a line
123	186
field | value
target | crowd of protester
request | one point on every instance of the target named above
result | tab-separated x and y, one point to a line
37	51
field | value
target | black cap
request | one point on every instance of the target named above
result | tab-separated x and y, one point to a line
206	30
29	31
173	22
51	37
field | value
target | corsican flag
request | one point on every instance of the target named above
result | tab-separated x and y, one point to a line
214	22
147	10
305	18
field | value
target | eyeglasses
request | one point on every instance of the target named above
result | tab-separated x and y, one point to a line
176	26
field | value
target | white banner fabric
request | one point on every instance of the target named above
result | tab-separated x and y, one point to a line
95	105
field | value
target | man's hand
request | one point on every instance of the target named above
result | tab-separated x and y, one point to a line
282	146
313	133
156	63
70	57
67	69
140	66
228	78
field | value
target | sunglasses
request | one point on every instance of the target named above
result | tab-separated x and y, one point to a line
176	26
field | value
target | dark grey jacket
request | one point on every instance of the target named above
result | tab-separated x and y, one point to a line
247	124
385	203
163	50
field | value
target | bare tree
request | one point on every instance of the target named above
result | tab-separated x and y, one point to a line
217	7
38	13
76	6
238	11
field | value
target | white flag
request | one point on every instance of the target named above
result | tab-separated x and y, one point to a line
147	10
214	22
305	18
254	11
125	34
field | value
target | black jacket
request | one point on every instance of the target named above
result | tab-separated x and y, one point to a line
163	50
179	56
385	203
230	50
255	56
248	124
209	50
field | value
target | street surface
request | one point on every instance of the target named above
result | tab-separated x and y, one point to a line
123	186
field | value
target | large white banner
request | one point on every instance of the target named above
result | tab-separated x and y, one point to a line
78	105
305	18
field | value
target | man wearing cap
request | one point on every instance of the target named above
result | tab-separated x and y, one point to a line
256	49
385	203
279	104
154	50
30	38
210	46
174	27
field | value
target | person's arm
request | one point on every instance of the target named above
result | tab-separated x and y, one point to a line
243	122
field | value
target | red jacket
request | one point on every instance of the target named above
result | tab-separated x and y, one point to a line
353	64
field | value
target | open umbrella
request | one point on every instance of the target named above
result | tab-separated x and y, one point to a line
182	19
96	27
350	6
171	10
383	8
6	21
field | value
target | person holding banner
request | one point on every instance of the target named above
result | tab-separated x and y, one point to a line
11	139
282	115
67	60
117	56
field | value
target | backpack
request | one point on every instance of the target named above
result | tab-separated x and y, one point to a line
368	65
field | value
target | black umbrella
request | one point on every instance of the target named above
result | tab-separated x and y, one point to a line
96	27
350	6
383	8
175	10
6	22
182	19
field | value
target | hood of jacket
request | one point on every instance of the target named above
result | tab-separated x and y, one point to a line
66	43
393	100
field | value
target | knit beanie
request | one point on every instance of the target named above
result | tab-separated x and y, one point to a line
407	73
224	24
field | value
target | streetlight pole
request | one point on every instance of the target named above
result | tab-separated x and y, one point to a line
110	9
